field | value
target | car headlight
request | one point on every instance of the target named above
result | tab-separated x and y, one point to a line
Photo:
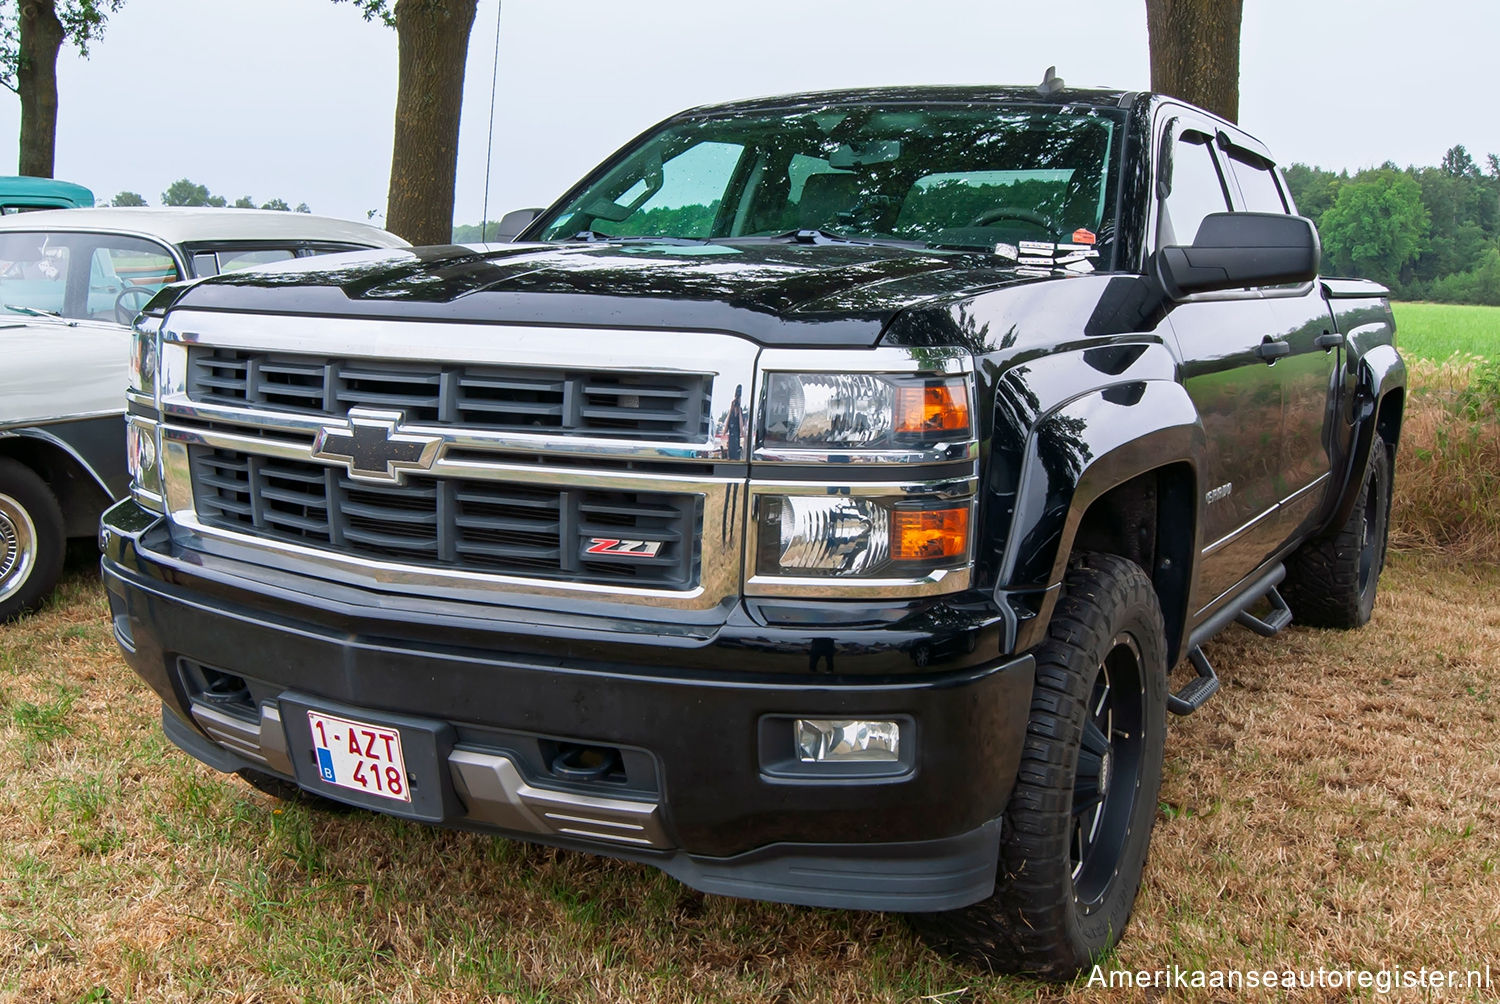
144	355
858	536
863	410
143	461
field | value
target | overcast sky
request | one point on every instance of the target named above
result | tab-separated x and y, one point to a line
295	98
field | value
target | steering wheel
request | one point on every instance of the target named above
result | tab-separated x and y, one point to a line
998	213
125	314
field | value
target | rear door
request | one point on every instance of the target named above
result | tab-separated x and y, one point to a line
1299	316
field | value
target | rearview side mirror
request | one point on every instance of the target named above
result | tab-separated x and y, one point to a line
514	222
1240	250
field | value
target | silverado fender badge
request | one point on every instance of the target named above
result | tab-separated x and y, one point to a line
623	548
1221	492
369	444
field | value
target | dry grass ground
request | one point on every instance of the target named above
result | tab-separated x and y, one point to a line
1449	460
1335	806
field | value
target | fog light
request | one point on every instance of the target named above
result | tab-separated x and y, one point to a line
835	740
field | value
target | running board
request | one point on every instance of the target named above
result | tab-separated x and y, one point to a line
1273	623
1196	692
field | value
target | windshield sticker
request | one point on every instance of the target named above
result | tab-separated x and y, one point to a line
1082	236
1041	256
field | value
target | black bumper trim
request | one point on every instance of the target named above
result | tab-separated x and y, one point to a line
908	877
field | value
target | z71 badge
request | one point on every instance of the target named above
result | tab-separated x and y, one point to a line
624	548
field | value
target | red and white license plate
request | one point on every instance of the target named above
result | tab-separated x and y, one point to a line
359	756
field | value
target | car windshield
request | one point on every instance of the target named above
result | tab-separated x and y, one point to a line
933	176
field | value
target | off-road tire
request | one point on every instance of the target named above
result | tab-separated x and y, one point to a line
1050	915
32	544
1331	580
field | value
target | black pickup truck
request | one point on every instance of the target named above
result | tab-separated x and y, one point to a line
813	503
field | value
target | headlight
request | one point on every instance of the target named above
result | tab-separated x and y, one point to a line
143	460
863	411
144	355
855	536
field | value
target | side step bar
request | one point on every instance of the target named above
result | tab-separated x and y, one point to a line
1275	622
1196	692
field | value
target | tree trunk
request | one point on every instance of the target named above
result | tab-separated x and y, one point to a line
1195	52
433	39
36	85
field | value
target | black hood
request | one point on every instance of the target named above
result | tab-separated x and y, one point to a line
776	293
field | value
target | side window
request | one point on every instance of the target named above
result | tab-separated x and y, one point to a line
1257	181
124	273
233	261
1197	191
33	273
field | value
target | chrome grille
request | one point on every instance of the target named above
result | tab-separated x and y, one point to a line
672	407
480	525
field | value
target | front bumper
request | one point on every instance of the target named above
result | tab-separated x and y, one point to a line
701	792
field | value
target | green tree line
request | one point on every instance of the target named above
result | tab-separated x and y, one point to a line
1429	233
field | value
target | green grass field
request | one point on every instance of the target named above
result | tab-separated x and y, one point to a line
1437	331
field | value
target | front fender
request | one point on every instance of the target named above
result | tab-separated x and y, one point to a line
1081	450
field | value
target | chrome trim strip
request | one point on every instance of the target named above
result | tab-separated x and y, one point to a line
934	583
495	792
443	467
938	361
728	359
940	453
942	488
1237	532
181	408
27	423
459	342
1240	531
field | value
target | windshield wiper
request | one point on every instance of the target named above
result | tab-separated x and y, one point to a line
595	237
820	236
30	311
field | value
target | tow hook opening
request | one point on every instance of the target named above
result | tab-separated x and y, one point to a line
576	762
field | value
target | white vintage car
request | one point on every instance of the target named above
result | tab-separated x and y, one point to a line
71	282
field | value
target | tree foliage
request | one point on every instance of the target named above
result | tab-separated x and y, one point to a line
1370	226
32	33
82	22
1377	225
128	199
184	192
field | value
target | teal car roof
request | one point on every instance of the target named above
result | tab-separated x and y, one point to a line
26	191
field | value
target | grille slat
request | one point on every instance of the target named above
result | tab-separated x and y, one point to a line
669	407
486	526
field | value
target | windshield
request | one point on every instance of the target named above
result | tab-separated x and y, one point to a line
936	176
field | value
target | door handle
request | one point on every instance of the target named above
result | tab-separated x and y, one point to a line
1329	340
1272	349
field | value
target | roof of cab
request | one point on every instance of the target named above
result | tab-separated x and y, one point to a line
970	94
188	225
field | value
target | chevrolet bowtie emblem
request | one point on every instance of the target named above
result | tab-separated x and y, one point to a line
368	444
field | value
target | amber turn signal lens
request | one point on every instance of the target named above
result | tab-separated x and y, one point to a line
929	534
936	406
